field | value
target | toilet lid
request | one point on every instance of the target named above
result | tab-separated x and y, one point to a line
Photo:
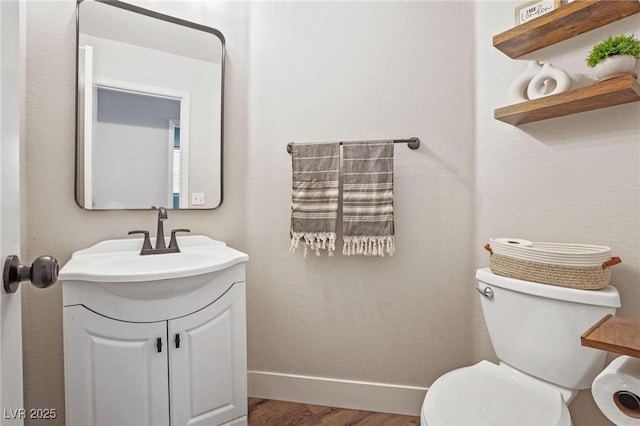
486	394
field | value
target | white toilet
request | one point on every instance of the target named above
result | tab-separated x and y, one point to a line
535	330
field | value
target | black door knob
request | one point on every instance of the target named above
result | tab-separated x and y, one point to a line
42	273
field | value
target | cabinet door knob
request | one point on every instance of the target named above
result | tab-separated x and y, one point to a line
159	344
177	340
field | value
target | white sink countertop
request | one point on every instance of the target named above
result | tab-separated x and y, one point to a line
115	280
119	260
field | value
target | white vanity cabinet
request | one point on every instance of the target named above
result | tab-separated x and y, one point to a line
135	359
113	374
211	349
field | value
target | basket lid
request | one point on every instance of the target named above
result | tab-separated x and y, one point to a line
552	253
607	296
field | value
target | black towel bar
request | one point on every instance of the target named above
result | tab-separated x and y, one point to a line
413	143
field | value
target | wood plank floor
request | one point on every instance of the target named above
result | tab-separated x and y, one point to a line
266	412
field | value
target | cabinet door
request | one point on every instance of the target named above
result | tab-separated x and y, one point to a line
114	374
209	368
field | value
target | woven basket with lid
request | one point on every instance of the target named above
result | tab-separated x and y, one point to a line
577	266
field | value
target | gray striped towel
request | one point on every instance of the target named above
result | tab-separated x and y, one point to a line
314	201
368	198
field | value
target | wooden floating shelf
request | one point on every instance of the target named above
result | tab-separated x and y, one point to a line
561	24
614	334
603	94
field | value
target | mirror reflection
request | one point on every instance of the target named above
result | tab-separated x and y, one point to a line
149	110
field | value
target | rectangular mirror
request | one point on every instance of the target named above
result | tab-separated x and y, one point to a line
149	109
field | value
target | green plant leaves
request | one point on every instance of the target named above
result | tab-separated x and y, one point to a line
612	46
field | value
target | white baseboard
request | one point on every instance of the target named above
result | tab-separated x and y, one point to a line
368	396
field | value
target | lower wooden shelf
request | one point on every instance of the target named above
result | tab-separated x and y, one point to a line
614	334
602	94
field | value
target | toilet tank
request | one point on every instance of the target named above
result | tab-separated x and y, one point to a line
536	328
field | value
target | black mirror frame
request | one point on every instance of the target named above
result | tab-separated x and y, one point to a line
173	20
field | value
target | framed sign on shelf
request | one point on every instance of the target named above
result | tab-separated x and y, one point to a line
533	9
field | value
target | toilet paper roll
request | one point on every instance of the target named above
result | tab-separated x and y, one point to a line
514	242
616	391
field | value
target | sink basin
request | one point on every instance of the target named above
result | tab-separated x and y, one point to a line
117	266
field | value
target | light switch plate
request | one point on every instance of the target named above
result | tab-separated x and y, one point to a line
197	198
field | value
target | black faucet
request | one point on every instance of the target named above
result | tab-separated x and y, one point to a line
162	216
161	247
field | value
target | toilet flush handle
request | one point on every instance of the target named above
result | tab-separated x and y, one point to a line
486	292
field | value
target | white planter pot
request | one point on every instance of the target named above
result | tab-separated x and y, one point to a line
614	65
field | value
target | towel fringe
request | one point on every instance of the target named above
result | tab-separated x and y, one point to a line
369	245
314	241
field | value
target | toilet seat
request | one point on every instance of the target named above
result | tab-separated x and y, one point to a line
488	394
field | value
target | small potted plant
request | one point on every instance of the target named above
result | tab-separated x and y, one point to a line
614	56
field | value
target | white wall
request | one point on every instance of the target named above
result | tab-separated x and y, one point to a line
569	179
307	71
330	71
